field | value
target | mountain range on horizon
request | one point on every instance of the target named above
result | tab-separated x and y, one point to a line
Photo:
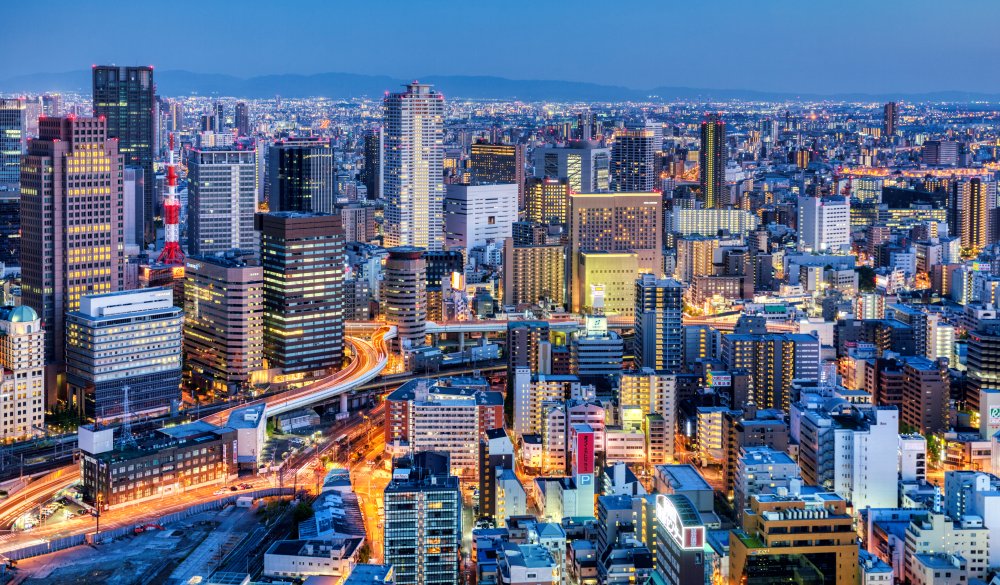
347	85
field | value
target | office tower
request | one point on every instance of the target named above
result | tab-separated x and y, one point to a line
712	162
222	201
632	156
533	273
658	308
223	322
890	117
585	165
176	116
445	416
302	175
22	355
359	222
72	221
219	117
371	174
618	222
404	291
940	153
126	98
596	351
302	255
13	141
127	338
242	119
10	228
441	265
51	105
413	171
498	163
824	224
773	360
547	201
973	205
479	214
822	547
865	433
423	521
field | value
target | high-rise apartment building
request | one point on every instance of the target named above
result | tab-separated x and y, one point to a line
404	291
478	214
618	222
124	339
524	339
223	322
125	97
413	168
242	119
532	273
423	521
498	163
973	205
359	222
585	165
547	201
632	161
71	212
302	255
22	355
773	360
658	329
222	201
712	161
302	174
890	117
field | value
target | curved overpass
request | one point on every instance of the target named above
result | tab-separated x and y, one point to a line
370	358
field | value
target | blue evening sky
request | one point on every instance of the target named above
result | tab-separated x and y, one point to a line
822	46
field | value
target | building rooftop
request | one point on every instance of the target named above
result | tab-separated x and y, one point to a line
248	417
683	477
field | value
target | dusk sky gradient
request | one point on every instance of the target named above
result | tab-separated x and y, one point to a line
770	45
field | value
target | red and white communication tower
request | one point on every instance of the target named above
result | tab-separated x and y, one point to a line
172	253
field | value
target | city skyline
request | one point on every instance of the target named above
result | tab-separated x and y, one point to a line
775	47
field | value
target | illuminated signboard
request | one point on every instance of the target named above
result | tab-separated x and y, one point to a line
686	537
994	416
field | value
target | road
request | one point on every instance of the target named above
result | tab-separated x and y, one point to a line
368	360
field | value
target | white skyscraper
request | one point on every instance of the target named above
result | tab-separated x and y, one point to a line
478	214
824	224
414	168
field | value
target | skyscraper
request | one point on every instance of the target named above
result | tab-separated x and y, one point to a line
890	116
658	333
414	168
619	222
498	163
478	214
632	161
223	322
404	290
303	259
712	160
548	200
973	208
126	98
71	212
371	175
242	119
302	175
423	521
222	200
22	355
584	164
13	142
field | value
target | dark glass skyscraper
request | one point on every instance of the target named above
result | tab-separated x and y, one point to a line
632	161
242	119
126	98
890	116
303	259
302	176
372	174
712	160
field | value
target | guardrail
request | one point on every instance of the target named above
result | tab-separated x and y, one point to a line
47	547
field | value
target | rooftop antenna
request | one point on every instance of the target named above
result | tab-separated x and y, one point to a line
127	439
